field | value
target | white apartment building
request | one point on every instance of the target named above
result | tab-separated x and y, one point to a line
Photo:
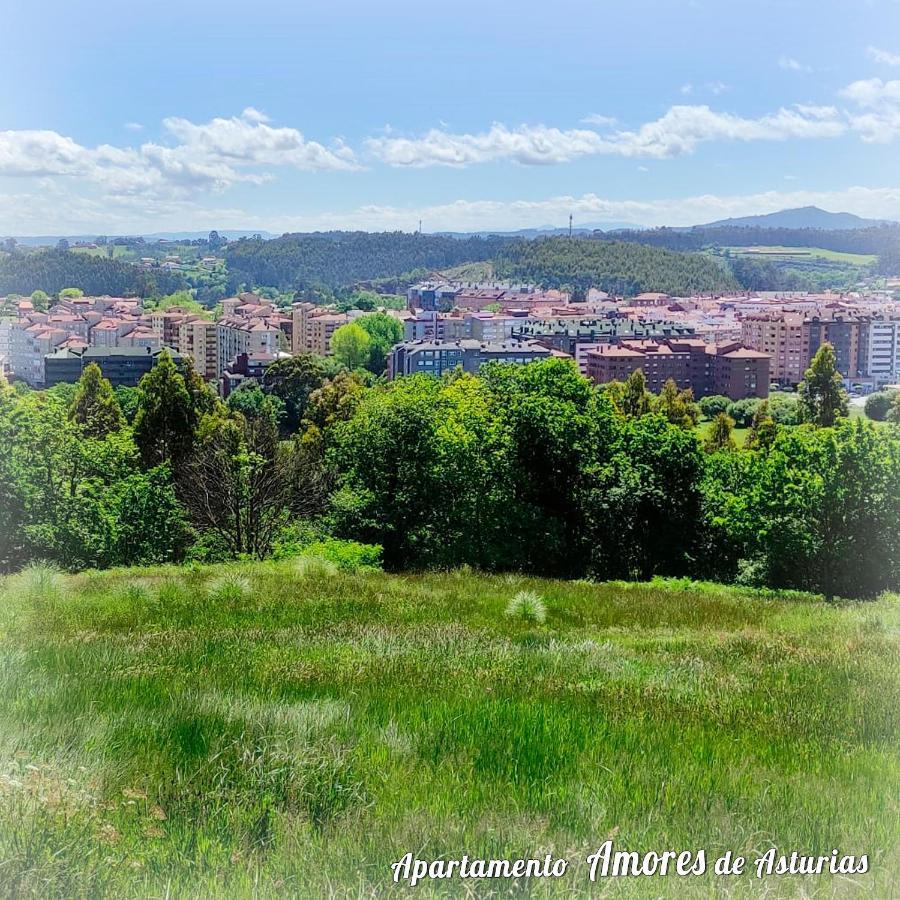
883	358
236	336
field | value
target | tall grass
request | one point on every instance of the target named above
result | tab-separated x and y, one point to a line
277	729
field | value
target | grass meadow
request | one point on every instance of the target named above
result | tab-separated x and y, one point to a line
284	729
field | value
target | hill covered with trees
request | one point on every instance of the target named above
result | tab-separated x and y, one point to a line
340	258
53	270
617	267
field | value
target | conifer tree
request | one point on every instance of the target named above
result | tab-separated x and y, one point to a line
94	406
721	435
637	401
763	429
165	420
823	399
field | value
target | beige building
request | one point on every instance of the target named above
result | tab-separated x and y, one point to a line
198	339
313	328
237	336
784	338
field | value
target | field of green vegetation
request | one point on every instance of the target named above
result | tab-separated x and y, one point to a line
805	253
287	729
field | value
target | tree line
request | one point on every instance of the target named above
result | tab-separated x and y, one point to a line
619	268
528	468
53	270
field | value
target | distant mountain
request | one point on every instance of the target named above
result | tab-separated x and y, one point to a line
51	240
803	217
547	230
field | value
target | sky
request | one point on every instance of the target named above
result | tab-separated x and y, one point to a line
467	115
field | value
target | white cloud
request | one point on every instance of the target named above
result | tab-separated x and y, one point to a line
134	126
62	213
686	89
678	132
212	155
879	102
596	119
885	57
793	65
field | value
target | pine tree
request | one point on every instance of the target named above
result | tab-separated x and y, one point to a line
822	397
721	435
94	406
165	420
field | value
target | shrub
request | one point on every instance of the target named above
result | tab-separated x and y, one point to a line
712	406
348	556
528	607
878	405
742	411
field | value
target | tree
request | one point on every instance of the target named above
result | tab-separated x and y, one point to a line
293	380
721	436
714	404
894	412
237	482
822	397
94	407
71	293
677	406
165	420
878	405
743	411
216	241
351	345
62	244
636	401
254	403
41	300
385	331
763	429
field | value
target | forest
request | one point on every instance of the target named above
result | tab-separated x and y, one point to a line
619	268
528	468
339	258
53	270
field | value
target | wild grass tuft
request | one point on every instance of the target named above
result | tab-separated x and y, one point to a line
527	606
40	582
230	588
314	567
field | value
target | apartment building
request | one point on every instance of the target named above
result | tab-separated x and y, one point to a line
730	369
566	333
882	351
5	330
121	365
785	338
198	339
312	328
437	357
251	336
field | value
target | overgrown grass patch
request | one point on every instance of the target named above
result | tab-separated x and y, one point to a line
271	729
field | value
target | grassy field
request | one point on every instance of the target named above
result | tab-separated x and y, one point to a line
282	729
805	253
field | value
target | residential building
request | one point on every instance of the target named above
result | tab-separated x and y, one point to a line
883	351
121	365
313	327
437	357
198	339
784	338
235	336
730	369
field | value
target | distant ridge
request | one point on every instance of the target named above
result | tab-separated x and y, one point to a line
802	217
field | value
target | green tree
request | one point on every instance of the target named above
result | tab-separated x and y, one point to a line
763	429
385	331
71	293
293	380
165	420
721	435
713	405
41	300
94	407
677	405
351	345
636	400
894	412
823	399
878	405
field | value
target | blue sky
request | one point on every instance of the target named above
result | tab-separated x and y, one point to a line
122	118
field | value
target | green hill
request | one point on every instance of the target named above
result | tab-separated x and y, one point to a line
613	266
283	729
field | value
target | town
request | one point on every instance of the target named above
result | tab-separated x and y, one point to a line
734	345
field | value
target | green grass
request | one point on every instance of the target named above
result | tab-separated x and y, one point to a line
739	433
803	253
265	730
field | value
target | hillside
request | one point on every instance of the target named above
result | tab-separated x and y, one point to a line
53	270
340	258
284	729
616	267
802	217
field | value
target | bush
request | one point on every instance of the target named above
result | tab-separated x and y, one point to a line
712	406
742	411
348	556
878	405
